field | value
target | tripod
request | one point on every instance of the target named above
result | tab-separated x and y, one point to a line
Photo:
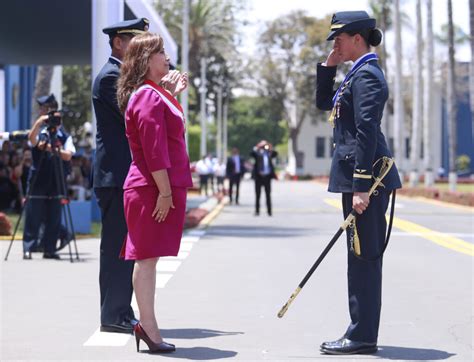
60	194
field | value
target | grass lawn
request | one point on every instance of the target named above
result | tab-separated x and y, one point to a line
459	187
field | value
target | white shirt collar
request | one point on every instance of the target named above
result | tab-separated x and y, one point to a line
363	55
116	59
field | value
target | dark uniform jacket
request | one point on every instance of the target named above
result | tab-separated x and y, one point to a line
258	166
358	138
230	167
44	167
112	159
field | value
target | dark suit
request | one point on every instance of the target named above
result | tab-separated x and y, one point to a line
234	176
359	142
111	166
263	178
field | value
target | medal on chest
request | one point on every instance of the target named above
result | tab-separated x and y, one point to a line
336	110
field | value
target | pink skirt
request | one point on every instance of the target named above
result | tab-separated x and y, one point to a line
146	237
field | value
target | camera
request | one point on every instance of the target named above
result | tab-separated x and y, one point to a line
266	147
54	119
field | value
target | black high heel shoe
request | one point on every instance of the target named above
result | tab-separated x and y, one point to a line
162	347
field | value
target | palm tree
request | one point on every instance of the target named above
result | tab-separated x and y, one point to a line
417	100
212	35
451	101
398	116
428	96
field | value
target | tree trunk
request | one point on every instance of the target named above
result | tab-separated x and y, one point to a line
417	100
451	101
428	97
42	87
294	132
398	117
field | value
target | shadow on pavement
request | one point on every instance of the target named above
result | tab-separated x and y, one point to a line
412	354
200	353
195	333
257	231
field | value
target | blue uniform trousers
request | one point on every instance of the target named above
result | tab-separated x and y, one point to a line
365	277
37	211
115	275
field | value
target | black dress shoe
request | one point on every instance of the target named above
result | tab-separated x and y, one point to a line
346	346
27	255
51	256
123	327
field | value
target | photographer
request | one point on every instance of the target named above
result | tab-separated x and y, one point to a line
263	173
49	142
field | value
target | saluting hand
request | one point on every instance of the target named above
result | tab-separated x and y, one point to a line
182	84
334	57
162	207
360	201
170	81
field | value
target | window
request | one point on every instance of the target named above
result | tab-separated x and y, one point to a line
320	147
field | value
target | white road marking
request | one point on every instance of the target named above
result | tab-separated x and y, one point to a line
165	267
107	339
168	265
190	239
186	247
134	304
162	279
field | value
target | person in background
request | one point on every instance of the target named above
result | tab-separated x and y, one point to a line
263	173
220	173
235	169
43	206
202	169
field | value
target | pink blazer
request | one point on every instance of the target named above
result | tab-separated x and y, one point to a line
155	132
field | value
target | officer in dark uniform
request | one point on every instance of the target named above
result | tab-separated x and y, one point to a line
44	205
112	161
235	170
263	173
357	108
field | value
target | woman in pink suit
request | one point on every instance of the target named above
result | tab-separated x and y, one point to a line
156	184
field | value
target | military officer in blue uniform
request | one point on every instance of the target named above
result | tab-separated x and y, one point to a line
356	113
112	161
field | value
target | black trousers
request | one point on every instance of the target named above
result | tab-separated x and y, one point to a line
265	182
365	277
203	181
38	211
234	180
115	274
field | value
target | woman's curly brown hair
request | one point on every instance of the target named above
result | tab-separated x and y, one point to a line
135	65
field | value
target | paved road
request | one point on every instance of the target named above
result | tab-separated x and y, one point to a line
219	298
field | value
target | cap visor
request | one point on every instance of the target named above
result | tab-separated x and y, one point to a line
333	34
